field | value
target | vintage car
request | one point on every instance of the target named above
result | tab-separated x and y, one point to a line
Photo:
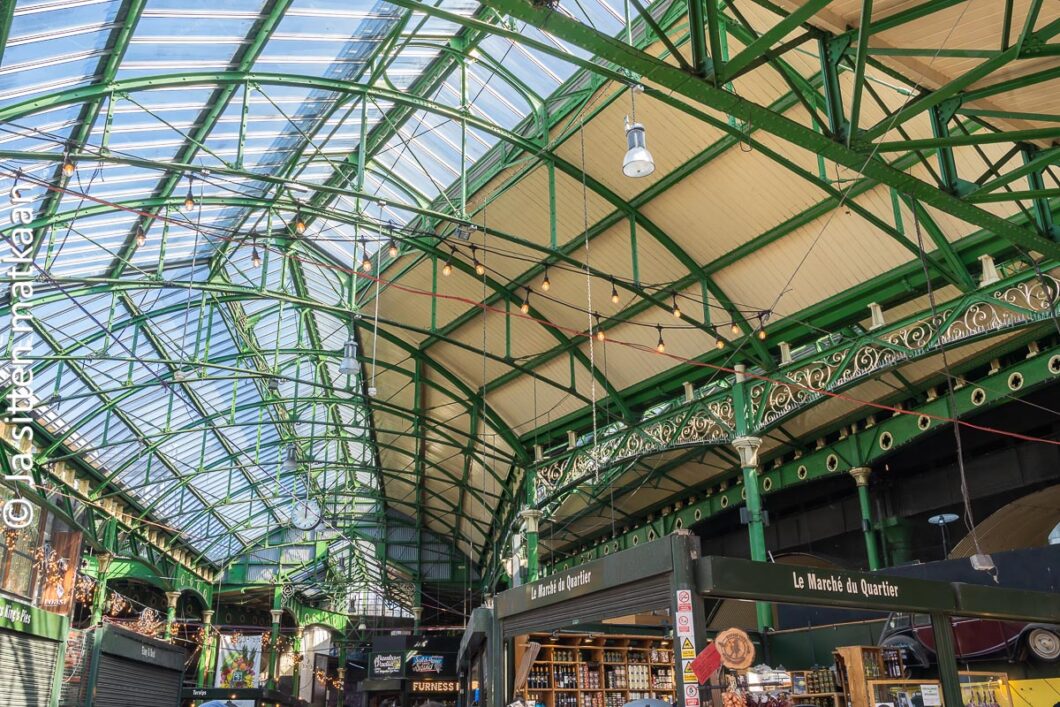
974	639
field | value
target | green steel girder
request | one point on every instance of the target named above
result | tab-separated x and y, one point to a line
708	418
216	104
860	160
229	292
7	14
117	43
862	443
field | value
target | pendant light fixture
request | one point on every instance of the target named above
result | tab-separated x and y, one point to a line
614	292
141	237
524	306
638	162
661	345
290	461
675	309
480	269
189	198
447	269
350	366
546	284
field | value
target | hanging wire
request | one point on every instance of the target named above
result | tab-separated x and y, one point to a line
951	400
589	302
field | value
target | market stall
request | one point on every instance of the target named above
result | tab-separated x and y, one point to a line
31	645
565	640
130	668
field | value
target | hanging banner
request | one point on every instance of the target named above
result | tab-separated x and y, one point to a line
239	661
60	573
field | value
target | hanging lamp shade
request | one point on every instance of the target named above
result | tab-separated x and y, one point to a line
638	161
350	366
290	461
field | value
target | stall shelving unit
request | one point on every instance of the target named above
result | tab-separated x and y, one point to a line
593	670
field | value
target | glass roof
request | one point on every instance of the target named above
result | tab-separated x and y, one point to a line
186	400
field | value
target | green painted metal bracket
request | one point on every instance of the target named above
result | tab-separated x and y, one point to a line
707	418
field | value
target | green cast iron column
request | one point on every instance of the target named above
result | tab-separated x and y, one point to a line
207	648
861	477
296	671
103	561
946	654
531	517
171	613
274	636
748	446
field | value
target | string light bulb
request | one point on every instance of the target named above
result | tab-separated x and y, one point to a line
255	259
68	166
546	284
676	310
480	269
447	269
189	198
719	344
141	237
524	306
392	248
600	335
735	328
660	346
614	292
762	334
366	264
299	223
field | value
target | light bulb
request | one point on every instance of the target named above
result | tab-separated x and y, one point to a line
447	269
479	267
661	345
600	335
719	344
366	264
762	334
69	167
676	309
299	224
255	259
546	284
141	237
524	307
392	249
189	200
735	328
614	293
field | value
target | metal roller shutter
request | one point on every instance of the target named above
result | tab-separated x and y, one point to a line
27	665
643	595
129	683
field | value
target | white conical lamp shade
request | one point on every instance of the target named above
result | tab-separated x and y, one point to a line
638	161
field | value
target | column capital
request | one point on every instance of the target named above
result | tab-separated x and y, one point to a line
171	599
417	613
276	614
861	475
103	561
530	517
748	449
207	616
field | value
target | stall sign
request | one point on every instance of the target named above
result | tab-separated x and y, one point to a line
58	594
426	663
435	686
17	616
387	665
